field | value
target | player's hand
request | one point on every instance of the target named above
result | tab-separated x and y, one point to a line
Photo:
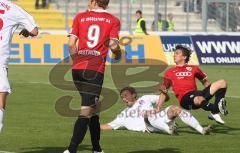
157	110
25	33
117	55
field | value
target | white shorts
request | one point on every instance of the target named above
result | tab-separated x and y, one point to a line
159	121
4	83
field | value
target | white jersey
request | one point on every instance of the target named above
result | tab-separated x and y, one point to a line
132	118
11	16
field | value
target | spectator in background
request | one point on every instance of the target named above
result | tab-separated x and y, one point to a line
44	4
170	22
199	6
162	25
212	11
237	12
194	5
141	24
234	13
178	4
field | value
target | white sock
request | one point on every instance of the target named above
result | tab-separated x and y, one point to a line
1	115
161	126
190	120
1	118
164	127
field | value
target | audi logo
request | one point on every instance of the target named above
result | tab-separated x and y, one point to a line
182	74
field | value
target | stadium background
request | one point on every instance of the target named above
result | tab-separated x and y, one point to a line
35	125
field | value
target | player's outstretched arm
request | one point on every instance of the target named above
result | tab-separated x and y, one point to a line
106	127
163	96
162	99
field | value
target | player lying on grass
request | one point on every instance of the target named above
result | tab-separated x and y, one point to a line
139	115
182	80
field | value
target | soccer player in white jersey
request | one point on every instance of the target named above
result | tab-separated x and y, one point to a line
140	115
11	17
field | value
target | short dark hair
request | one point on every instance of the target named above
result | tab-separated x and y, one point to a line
139	11
103	3
186	52
130	89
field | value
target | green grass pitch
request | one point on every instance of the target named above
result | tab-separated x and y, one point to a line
33	126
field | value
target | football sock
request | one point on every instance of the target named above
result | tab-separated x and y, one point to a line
209	107
208	95
1	118
94	127
163	126
190	120
220	94
79	132
1	115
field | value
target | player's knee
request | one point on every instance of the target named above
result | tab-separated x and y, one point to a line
222	83
174	111
87	115
198	100
177	111
86	111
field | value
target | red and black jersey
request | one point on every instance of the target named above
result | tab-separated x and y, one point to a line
94	29
182	79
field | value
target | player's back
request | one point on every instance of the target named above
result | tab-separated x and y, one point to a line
94	29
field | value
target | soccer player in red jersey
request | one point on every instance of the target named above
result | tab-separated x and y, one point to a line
182	80
97	31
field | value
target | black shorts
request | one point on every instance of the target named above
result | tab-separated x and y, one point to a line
187	101
89	84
